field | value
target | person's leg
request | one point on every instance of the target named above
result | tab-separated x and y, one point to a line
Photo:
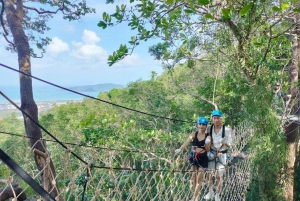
220	172
194	176
219	184
219	187
198	185
210	194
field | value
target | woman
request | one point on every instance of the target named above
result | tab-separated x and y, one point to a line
198	157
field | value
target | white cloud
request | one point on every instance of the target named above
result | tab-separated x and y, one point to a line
57	46
77	44
90	37
88	48
89	51
131	60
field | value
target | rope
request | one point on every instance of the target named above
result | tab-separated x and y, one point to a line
132	176
138	177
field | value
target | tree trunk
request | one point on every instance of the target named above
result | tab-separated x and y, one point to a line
292	131
12	190
14	18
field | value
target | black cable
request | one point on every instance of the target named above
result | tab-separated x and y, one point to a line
25	176
153	115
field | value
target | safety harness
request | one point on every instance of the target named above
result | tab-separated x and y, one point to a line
196	155
217	151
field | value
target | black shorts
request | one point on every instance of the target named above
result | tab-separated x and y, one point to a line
199	160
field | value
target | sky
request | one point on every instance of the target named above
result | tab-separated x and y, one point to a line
78	53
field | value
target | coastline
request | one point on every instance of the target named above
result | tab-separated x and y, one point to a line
6	109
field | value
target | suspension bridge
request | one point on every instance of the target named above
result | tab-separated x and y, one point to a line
112	174
101	173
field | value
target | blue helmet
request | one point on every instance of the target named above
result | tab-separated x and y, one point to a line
202	120
216	113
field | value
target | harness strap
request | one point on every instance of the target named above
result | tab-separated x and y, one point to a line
198	153
217	154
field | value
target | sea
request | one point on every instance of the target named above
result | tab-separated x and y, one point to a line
43	94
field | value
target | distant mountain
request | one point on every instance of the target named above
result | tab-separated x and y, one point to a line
96	88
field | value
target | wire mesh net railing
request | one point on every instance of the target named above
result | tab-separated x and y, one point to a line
111	174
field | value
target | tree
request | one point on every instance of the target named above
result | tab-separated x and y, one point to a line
292	131
251	36
19	20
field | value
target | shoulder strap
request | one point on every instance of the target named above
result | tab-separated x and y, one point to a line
210	131
223	131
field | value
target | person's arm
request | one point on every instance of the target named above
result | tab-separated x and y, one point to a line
187	142
191	137
227	140
207	143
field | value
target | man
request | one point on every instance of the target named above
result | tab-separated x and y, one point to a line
279	98
221	141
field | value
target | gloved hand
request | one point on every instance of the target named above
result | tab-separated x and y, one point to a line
207	140
177	151
222	140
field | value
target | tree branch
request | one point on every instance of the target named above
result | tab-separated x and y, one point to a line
283	32
194	94
42	12
271	38
5	34
1	18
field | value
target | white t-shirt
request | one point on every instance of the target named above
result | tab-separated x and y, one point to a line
217	136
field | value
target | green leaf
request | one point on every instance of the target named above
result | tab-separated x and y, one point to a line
246	9
169	1
131	1
182	35
104	16
275	8
226	13
209	16
204	2
123	7
133	38
191	63
102	24
284	6
188	11
257	44
296	10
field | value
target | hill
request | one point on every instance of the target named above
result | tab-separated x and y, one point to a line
96	88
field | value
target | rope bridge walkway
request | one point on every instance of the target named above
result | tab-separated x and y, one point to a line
112	174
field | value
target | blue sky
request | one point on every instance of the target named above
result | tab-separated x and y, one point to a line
78	54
